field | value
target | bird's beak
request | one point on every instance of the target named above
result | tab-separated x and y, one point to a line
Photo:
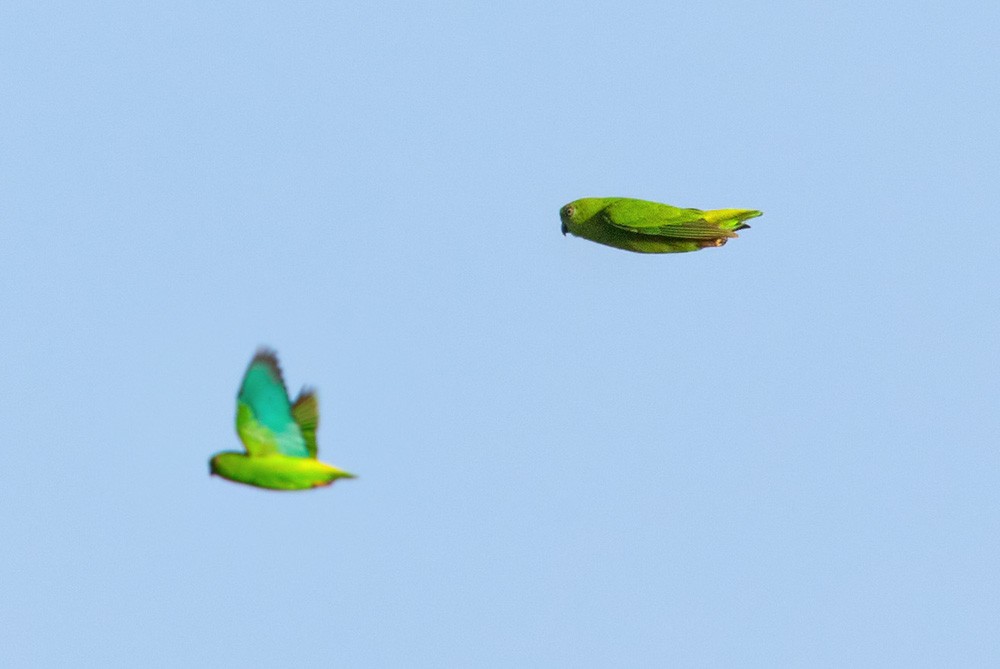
564	229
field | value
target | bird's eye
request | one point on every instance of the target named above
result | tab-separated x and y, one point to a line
570	211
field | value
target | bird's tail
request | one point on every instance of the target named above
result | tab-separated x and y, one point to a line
732	219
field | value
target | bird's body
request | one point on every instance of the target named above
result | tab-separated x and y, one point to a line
651	227
279	436
277	472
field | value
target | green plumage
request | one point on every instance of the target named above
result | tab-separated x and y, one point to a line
279	436
651	227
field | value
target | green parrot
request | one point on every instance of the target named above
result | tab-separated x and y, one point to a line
280	436
651	227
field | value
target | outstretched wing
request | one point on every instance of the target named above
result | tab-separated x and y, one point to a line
305	411
263	413
662	220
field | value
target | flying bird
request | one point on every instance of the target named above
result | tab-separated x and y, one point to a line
279	435
651	227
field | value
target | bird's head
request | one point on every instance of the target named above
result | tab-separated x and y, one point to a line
225	463
566	215
578	212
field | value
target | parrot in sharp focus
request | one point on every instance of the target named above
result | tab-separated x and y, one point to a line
279	435
651	227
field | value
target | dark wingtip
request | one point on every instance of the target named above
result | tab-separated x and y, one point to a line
269	358
266	354
304	393
741	226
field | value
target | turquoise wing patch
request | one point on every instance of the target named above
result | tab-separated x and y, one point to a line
263	413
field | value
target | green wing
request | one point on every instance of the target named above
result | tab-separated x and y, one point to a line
662	220
305	411
263	413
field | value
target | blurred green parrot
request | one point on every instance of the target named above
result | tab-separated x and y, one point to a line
651	227
280	436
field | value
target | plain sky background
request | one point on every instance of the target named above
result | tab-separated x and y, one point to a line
782	452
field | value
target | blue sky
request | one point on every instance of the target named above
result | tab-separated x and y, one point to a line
782	452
